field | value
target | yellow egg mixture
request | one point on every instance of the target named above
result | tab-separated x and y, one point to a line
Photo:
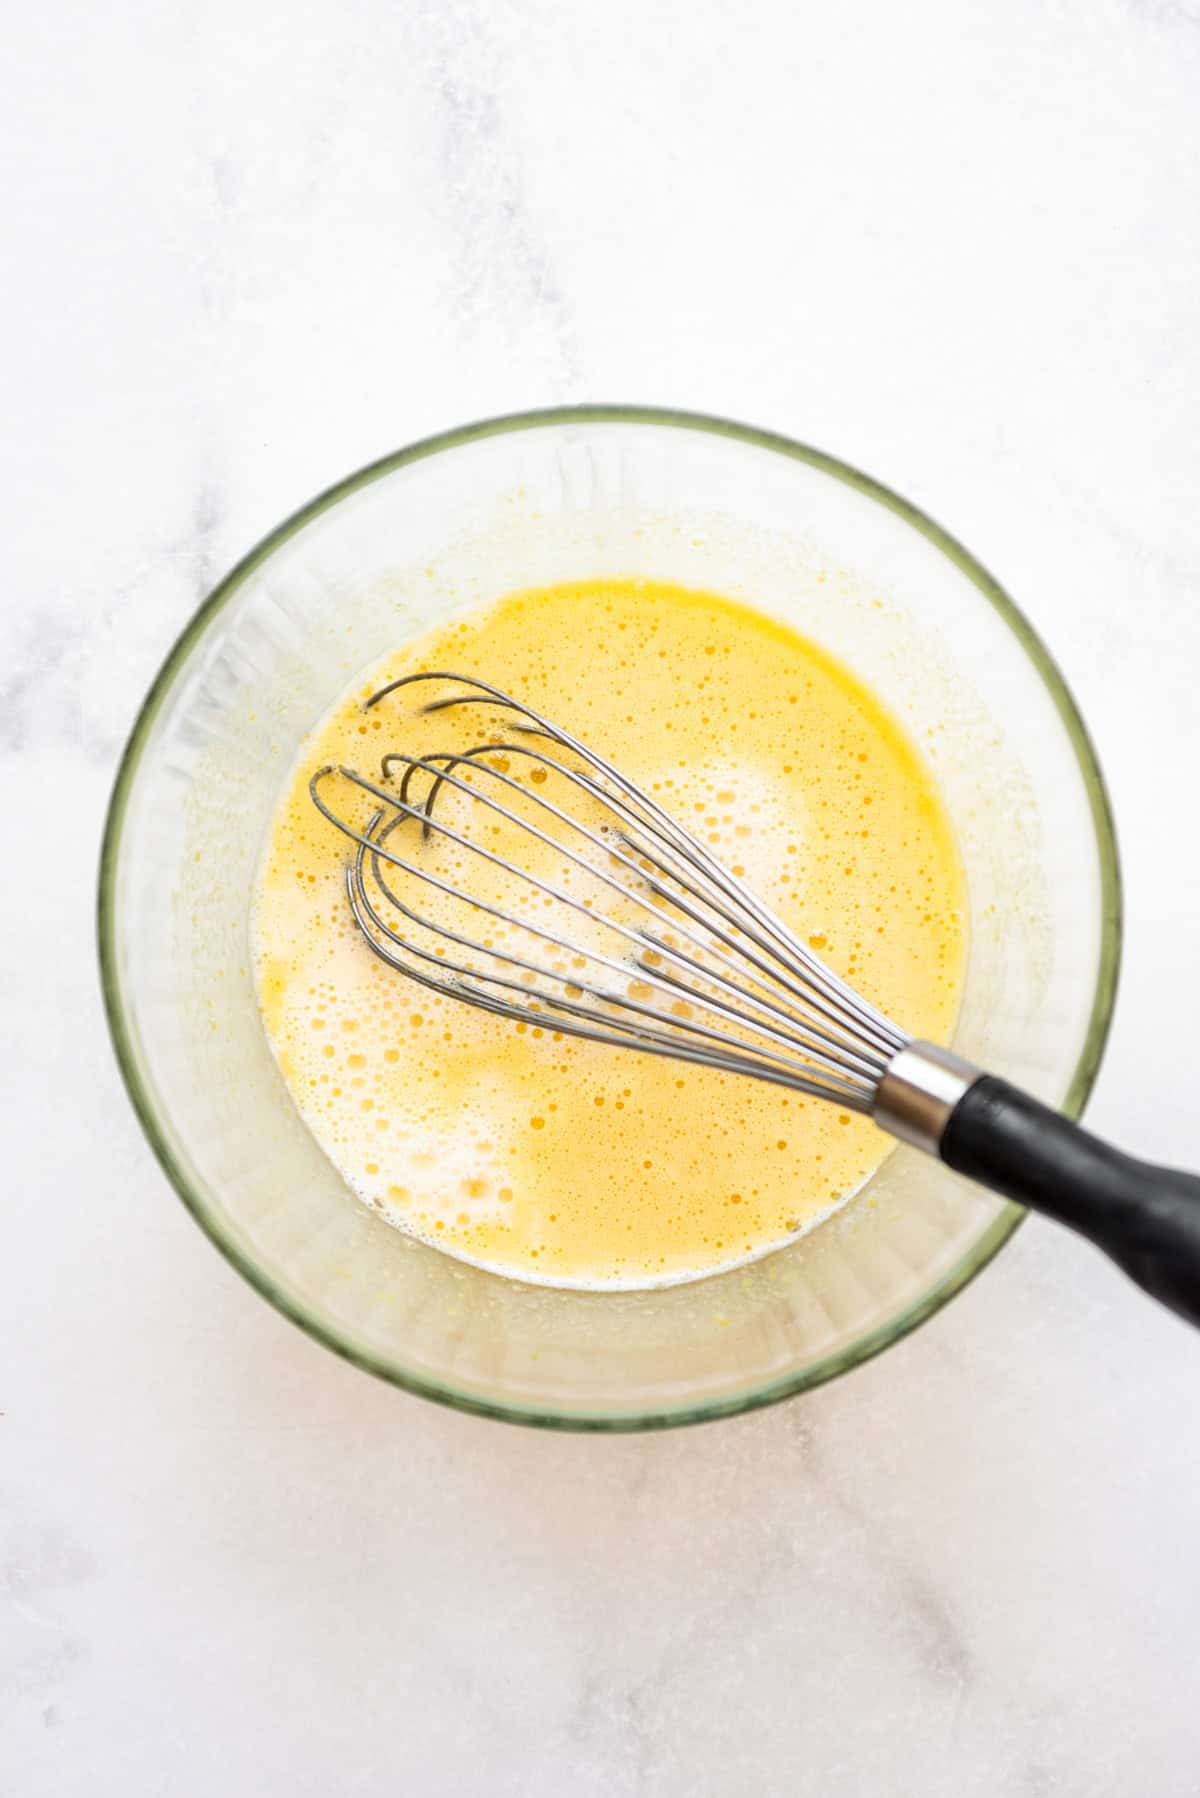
558	1160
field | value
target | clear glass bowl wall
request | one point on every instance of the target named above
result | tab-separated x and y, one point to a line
452	523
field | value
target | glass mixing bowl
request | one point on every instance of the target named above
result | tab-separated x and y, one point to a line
516	502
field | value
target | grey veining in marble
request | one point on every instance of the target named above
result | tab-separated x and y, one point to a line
252	247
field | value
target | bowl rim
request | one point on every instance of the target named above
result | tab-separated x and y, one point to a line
986	1246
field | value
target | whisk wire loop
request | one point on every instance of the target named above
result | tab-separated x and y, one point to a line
694	966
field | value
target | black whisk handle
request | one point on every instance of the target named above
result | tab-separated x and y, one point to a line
1146	1218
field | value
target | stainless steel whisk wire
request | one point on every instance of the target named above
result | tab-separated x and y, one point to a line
755	978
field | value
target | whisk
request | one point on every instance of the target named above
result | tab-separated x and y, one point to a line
527	876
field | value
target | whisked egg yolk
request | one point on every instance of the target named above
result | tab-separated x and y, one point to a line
545	1157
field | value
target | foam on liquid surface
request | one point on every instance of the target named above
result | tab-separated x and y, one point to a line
557	1160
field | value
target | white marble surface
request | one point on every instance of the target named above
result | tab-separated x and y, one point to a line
252	246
